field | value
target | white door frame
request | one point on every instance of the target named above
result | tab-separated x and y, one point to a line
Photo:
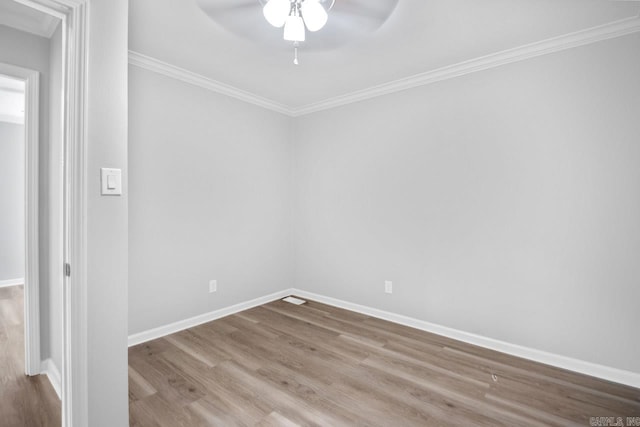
74	15
31	81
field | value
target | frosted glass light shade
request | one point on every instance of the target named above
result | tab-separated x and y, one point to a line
314	14
276	12
294	29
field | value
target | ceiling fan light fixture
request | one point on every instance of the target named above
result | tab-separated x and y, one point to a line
294	29
276	12
314	15
297	16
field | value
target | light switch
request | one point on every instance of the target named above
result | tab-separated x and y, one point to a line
111	181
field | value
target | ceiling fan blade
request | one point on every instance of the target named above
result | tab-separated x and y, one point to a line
375	9
356	22
212	7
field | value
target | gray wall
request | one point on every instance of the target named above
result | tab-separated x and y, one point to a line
210	199
503	203
11	201
107	223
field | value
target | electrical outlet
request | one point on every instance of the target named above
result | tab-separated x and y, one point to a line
213	286
388	287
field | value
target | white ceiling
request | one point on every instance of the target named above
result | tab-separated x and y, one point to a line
420	35
23	18
11	100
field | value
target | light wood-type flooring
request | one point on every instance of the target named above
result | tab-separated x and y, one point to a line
24	401
286	365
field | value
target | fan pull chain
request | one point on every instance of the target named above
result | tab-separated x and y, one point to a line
295	53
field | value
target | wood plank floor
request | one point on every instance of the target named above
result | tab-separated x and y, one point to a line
286	365
24	401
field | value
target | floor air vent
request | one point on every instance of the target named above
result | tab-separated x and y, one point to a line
294	300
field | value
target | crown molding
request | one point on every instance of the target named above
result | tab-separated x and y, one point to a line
143	61
556	44
521	53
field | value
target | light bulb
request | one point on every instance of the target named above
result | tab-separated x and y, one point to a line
294	29
314	14
276	12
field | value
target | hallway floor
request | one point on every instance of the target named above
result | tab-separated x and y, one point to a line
24	401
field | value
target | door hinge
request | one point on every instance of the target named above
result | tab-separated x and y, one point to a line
67	269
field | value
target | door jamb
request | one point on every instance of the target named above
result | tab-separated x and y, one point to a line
74	15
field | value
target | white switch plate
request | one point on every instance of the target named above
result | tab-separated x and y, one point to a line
111	181
213	286
388	287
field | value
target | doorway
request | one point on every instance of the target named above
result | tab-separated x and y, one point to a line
73	16
27	398
31	224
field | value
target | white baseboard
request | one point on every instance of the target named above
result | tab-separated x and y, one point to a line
11	282
595	370
171	328
48	368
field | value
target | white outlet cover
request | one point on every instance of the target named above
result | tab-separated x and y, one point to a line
388	286
213	286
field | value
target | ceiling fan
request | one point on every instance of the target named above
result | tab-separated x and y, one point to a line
346	20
